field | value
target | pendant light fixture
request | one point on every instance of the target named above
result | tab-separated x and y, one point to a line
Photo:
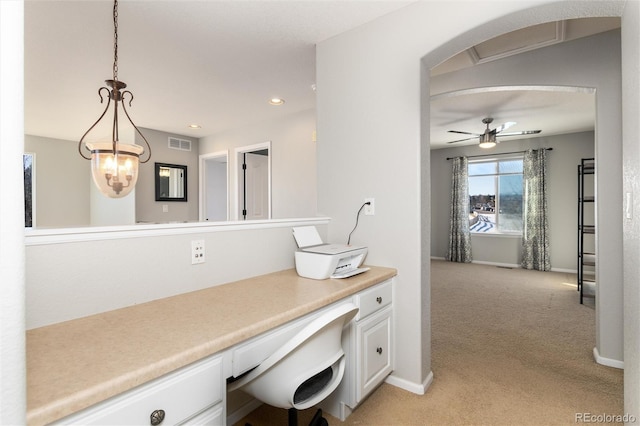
114	165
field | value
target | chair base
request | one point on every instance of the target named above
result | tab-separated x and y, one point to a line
317	419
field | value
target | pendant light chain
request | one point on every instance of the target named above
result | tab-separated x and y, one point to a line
115	132
115	40
114	166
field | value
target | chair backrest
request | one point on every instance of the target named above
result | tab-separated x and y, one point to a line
307	368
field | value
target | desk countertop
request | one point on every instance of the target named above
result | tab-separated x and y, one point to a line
75	364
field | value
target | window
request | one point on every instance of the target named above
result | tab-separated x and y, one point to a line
495	196
28	165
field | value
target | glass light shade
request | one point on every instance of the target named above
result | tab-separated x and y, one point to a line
487	144
487	141
115	174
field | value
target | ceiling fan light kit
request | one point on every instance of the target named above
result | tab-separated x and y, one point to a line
487	140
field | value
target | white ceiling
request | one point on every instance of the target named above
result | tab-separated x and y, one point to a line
217	63
551	111
214	63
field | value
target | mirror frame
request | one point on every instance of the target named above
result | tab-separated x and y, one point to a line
157	181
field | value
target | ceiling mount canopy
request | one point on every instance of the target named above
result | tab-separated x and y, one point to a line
114	165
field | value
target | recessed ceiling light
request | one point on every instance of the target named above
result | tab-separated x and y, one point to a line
195	126
276	101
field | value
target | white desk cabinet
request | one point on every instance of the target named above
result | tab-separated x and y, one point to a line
373	351
196	393
374	355
178	397
368	345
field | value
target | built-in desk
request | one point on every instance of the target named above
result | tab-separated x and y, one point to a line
75	364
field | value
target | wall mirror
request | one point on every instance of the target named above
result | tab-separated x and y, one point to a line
171	182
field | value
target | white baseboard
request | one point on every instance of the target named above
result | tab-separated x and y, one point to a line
237	415
502	265
607	361
510	265
411	386
566	271
482	262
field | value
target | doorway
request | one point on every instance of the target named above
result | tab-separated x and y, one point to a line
253	181
214	186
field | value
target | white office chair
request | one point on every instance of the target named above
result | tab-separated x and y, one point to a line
305	370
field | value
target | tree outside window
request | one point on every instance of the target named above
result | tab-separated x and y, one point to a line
29	189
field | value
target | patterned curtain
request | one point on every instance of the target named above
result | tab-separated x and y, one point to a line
459	235
535	238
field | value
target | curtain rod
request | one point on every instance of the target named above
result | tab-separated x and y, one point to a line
493	155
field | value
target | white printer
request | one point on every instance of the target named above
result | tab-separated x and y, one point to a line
317	260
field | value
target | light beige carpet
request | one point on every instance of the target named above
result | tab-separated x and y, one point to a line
509	347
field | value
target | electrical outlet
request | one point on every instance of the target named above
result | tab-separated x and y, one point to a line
165	208
370	209
197	252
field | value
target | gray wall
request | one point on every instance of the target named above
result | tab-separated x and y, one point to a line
63	179
631	167
147	208
64	187
373	132
293	161
562	200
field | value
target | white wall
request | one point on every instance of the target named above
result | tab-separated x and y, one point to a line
373	132
631	168
293	161
114	273
12	310
562	200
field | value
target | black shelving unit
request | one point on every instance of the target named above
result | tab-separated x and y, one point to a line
586	229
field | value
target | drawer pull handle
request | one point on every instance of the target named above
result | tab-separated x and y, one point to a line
157	417
379	299
379	350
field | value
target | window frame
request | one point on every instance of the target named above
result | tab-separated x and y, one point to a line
496	180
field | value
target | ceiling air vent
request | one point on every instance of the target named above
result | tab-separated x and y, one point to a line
180	144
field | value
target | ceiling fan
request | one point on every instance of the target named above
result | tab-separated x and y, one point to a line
488	139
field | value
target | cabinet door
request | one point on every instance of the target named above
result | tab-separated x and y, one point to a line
374	352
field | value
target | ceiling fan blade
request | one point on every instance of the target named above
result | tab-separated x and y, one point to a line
524	132
462	140
504	126
463	133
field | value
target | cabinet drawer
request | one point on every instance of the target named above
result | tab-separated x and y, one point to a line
249	355
373	299
213	416
375	356
181	394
